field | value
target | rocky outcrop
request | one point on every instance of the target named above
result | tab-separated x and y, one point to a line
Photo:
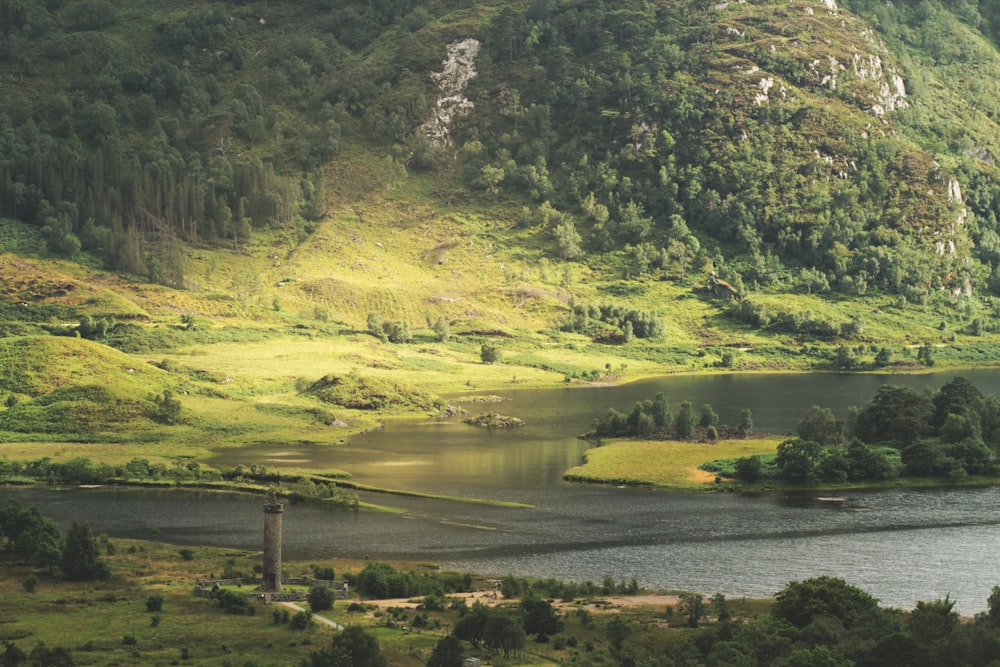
493	420
459	69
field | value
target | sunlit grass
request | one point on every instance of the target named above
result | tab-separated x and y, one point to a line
665	463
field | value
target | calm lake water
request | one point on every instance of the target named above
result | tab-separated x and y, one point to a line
900	545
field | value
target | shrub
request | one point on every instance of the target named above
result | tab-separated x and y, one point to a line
301	621
489	353
30	582
321	598
232	602
748	469
154	603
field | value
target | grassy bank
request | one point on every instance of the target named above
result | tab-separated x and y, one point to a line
664	463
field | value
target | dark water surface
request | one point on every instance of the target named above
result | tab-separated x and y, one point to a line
900	545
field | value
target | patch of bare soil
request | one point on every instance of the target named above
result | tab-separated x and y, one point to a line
492	598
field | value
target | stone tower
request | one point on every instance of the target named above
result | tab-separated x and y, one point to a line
272	545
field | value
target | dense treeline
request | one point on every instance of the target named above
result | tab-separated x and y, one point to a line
381	580
952	433
654	419
609	322
818	621
133	147
127	133
619	123
28	538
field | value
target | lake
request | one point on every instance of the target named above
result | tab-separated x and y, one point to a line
900	545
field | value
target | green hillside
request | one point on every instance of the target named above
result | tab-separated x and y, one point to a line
255	196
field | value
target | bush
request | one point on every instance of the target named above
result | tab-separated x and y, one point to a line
30	583
154	603
748	469
321	598
490	354
232	602
301	621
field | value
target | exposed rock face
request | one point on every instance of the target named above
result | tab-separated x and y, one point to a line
459	69
892	92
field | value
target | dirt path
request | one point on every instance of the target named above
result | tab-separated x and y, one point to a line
318	619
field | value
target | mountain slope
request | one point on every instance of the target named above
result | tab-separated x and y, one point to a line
564	174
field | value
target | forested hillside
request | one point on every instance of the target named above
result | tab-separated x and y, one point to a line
783	146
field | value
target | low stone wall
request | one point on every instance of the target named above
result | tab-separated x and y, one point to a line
296	596
340	588
208	583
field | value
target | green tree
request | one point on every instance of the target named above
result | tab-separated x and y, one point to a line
845	359
931	626
447	653
568	240
895	414
692	606
397	331
81	560
490	354
820	425
684	423
166	409
955	397
301	621
320	598
442	330
925	355
800	602
352	647
472	626
503	633
797	461
708	417
55	656
746	423
13	656
540	618
722	610
374	325
618	631
660	411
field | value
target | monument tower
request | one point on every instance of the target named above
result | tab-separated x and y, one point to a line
272	546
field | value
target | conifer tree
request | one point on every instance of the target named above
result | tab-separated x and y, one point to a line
81	559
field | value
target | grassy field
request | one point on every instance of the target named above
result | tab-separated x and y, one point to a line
107	623
664	463
255	326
